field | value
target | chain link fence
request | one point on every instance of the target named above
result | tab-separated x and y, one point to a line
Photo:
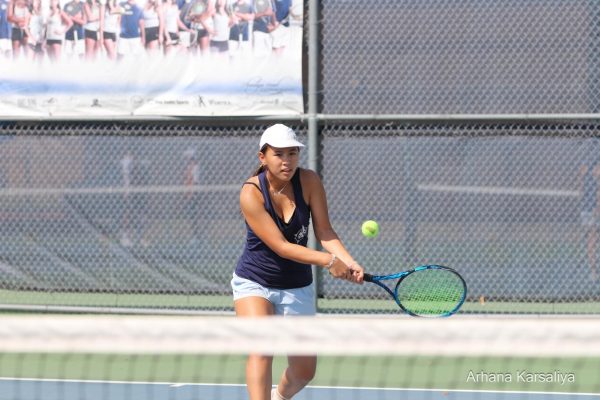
460	57
145	215
150	219
501	203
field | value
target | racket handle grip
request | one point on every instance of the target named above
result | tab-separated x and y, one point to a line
368	277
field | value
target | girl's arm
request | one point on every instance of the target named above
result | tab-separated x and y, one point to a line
182	26
207	15
10	15
324	232
162	35
79	18
142	26
26	24
245	16
67	21
101	23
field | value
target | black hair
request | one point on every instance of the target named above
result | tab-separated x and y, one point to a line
261	167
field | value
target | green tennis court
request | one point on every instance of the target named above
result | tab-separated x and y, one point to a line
46	300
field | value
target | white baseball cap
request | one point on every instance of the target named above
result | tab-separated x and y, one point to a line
279	136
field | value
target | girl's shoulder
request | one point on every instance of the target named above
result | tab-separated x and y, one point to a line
250	192
309	177
251	184
310	182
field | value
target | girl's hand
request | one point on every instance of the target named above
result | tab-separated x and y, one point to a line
353	272
357	273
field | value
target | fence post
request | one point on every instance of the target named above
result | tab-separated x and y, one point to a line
314	142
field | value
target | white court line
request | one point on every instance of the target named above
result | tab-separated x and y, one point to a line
432	187
172	384
177	385
456	390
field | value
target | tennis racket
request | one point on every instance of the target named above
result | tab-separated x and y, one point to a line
426	291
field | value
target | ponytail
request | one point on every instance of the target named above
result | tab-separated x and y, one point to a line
258	170
261	167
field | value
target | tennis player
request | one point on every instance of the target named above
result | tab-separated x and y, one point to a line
18	15
58	23
273	275
74	37
154	25
112	21
93	28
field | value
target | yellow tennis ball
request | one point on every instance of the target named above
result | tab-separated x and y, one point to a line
370	228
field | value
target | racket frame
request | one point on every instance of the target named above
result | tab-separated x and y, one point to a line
376	279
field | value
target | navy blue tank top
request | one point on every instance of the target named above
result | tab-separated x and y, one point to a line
262	265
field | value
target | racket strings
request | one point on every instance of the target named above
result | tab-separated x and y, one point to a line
431	292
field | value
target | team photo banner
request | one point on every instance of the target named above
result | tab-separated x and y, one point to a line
115	58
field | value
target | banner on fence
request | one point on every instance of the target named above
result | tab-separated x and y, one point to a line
95	58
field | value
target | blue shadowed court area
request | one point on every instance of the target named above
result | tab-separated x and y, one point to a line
82	390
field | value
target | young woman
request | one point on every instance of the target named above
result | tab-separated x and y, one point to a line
222	21
203	23
37	30
273	275
153	26
112	20
92	30
173	24
59	22
19	15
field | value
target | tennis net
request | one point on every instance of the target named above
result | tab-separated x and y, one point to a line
176	357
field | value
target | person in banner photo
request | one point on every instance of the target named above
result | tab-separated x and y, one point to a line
239	33
112	20
174	27
94	16
201	14
154	26
263	22
187	36
74	36
18	16
58	23
280	26
133	35
37	30
5	30
219	41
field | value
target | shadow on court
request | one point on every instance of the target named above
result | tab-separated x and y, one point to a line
11	389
